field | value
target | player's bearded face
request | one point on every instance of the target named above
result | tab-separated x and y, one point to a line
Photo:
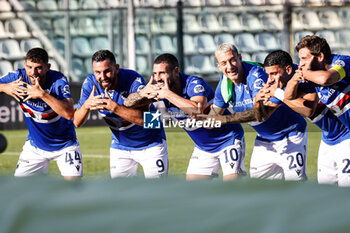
105	72
277	73
36	70
230	63
308	61
163	73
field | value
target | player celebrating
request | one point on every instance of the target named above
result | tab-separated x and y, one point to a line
45	99
319	67
333	155
280	146
105	91
335	135
180	96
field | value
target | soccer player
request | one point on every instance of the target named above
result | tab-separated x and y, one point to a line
105	90
325	73
180	96
45	99
333	154
280	146
318	67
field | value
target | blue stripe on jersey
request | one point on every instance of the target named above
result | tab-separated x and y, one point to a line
44	132
125	135
210	140
282	123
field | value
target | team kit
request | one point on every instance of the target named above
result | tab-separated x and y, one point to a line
275	98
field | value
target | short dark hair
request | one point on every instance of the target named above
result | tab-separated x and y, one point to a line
167	58
316	45
280	58
102	55
37	55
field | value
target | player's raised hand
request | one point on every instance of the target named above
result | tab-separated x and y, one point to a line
163	91
107	102
150	91
34	91
298	76
94	101
270	89
263	95
17	89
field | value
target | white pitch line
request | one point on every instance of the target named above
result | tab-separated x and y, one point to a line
90	156
86	156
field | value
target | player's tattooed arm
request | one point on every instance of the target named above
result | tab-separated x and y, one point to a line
135	100
143	97
241	117
234	118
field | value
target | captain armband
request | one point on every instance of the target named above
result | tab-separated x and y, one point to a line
340	70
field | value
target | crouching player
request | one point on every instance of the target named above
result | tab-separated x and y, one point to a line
180	96
280	146
45	99
131	145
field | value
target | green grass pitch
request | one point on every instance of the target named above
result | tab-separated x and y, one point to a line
95	141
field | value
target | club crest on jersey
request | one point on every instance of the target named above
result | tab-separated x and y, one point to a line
198	89
339	62
258	84
151	120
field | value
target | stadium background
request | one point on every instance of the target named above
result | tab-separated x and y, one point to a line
71	30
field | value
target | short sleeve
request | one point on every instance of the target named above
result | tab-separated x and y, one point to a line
257	78
8	78
137	84
62	88
218	99
342	65
86	89
197	87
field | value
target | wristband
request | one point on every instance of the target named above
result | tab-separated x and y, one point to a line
279	94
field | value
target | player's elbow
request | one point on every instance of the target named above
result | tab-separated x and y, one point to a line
139	122
77	123
69	115
308	113
327	80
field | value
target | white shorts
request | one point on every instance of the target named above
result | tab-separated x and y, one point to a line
154	161
33	160
231	159
333	163
284	159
